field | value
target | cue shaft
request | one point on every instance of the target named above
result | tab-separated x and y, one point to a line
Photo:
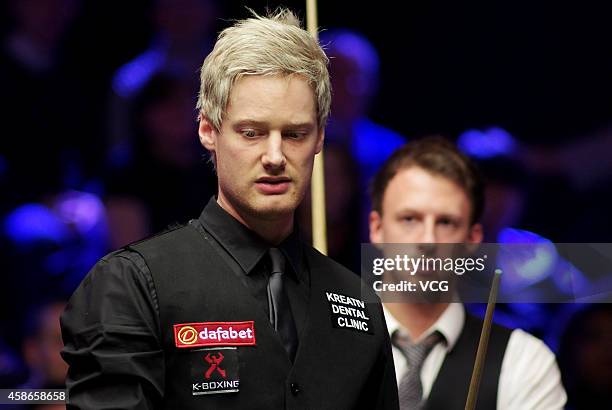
319	220
483	343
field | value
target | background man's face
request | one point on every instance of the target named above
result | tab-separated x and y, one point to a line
265	149
420	207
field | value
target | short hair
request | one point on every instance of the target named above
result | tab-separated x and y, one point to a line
438	156
273	45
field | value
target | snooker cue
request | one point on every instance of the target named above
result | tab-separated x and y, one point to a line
483	343
319	223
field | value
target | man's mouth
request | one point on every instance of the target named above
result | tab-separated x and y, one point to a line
273	185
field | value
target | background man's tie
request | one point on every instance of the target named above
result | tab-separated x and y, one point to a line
281	316
410	388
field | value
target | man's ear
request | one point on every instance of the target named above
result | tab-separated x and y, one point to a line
376	232
476	234
208	134
320	140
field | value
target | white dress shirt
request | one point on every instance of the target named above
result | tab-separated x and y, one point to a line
529	379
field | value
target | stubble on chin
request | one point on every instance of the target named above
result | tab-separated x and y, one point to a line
271	209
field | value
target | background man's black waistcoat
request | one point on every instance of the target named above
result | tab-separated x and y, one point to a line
450	390
332	367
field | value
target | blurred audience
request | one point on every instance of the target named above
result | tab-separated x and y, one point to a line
342	207
585	358
507	187
155	159
577	173
45	251
42	346
167	180
355	145
355	70
184	32
48	141
12	370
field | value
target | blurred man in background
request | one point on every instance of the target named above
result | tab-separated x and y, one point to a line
585	357
42	347
428	193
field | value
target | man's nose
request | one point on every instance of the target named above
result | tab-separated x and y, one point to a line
273	157
428	238
428	235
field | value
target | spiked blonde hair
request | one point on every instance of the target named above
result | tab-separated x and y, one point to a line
273	45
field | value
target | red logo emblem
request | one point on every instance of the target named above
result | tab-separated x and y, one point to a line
214	334
214	362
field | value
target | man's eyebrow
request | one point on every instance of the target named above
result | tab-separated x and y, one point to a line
252	123
408	210
307	124
263	124
450	216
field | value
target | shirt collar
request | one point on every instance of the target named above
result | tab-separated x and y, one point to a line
244	245
450	324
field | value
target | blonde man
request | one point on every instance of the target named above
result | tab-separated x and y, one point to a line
232	310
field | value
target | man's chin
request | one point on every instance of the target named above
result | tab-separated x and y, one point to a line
274	207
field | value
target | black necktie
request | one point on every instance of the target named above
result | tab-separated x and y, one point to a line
278	303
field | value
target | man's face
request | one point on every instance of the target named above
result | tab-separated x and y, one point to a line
420	207
265	148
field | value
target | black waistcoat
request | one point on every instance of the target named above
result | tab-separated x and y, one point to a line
450	389
333	368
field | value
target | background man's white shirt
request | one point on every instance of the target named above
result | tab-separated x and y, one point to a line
529	379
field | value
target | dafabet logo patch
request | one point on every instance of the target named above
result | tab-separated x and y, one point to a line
214	334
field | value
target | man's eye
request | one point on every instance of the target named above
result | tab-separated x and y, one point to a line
249	133
294	135
446	222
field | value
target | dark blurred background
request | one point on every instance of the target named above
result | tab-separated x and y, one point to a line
99	142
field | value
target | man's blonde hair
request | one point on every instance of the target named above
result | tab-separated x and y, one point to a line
273	45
